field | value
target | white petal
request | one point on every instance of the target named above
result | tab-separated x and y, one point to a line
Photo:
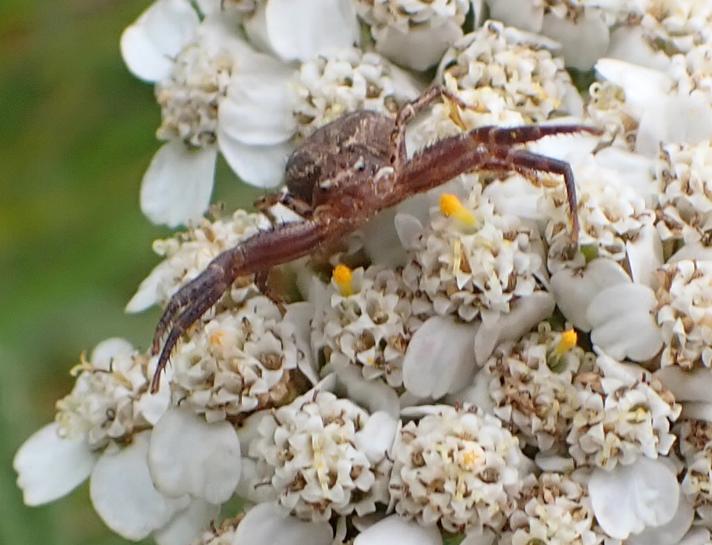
670	533
124	496
629	498
108	349
697	410
381	239
476	394
678	119
523	14
645	255
267	523
149	45
622	322
188	525
300	315
177	185
696	536
189	456
687	385
370	394
258	106
485	536
395	529
628	44
420	47
251	486
147	293
301	29
49	466
261	166
584	41
408	229
440	357
575	290
644	88
524	314
375	439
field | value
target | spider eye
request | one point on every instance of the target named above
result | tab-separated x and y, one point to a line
360	165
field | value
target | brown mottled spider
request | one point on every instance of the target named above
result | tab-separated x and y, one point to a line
340	177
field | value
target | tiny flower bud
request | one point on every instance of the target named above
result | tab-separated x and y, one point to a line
342	277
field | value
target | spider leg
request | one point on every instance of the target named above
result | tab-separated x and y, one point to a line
508	136
525	161
408	112
285	198
258	253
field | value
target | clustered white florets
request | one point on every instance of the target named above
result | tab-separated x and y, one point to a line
463	364
458	468
315	461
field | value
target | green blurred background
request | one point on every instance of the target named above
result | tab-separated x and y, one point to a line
76	134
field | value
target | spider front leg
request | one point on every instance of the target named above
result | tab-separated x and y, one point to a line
260	252
489	148
408	112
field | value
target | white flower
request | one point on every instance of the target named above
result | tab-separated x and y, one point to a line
685	313
553	509
531	384
508	77
582	27
240	361
311	454
472	260
414	33
187	255
457	468
346	80
625	413
664	113
191	87
686	200
366	320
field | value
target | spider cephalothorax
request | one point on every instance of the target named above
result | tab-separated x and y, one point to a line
340	177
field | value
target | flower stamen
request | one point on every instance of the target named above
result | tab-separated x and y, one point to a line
450	206
343	278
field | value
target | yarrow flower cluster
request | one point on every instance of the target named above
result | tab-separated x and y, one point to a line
464	366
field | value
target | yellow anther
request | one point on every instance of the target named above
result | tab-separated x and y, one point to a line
216	339
451	206
343	278
469	459
567	341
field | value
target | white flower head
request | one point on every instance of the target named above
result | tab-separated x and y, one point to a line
313	453
366	320
240	361
107	401
685	313
554	509
532	387
696	449
507	76
676	26
186	255
414	33
686	198
625	413
611	211
346	80
457	468
471	259
582	27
